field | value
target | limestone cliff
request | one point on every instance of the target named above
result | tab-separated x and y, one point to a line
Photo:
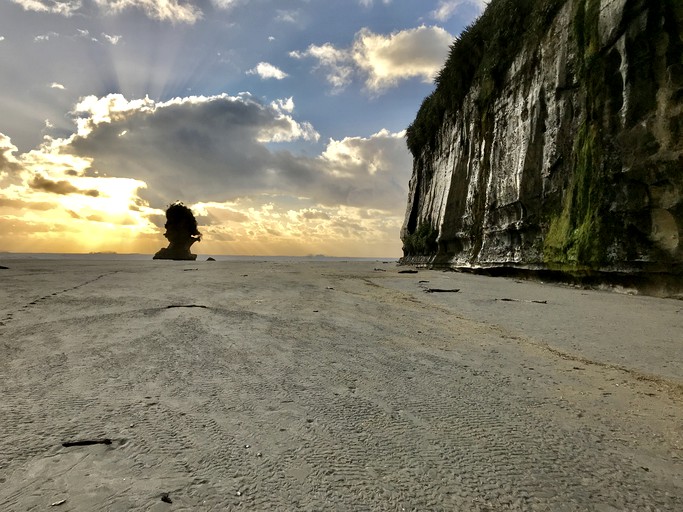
554	140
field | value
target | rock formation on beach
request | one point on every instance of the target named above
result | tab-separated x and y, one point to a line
554	141
181	232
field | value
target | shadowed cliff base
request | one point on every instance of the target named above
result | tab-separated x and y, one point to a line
554	143
656	284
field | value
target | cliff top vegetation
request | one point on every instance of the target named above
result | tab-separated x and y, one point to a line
484	51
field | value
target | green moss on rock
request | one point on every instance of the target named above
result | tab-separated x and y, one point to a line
422	242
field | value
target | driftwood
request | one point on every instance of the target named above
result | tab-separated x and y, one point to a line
520	300
86	442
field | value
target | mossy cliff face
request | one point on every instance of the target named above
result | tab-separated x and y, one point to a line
566	152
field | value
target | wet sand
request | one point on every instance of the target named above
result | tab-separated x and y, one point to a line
332	386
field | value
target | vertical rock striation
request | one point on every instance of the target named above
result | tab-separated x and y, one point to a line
554	141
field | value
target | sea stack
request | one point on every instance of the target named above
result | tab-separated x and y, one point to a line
181	232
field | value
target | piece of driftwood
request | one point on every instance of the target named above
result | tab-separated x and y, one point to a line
407	271
166	498
58	503
86	442
442	290
520	300
186	306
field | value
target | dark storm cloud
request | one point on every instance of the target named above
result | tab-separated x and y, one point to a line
61	187
219	148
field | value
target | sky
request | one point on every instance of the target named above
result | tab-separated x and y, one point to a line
280	123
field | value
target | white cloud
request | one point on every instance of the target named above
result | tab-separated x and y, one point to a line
63	7
175	11
2	38
287	16
112	39
284	105
55	85
337	63
383	60
45	37
368	3
266	71
447	8
225	4
418	52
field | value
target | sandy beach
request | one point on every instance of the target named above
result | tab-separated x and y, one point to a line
276	385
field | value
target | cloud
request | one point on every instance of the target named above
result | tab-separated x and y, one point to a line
337	63
448	8
10	167
287	16
112	39
219	148
225	4
175	11
20	204
61	187
418	52
41	38
63	7
2	38
55	85
383	60
284	105
368	3
219	154
266	71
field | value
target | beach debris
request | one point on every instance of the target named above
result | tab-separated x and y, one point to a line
407	271
259	454
189	269
238	493
58	503
186	306
330	288
520	300
247	446
210	259
380	270
85	442
3	267
166	498
442	290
